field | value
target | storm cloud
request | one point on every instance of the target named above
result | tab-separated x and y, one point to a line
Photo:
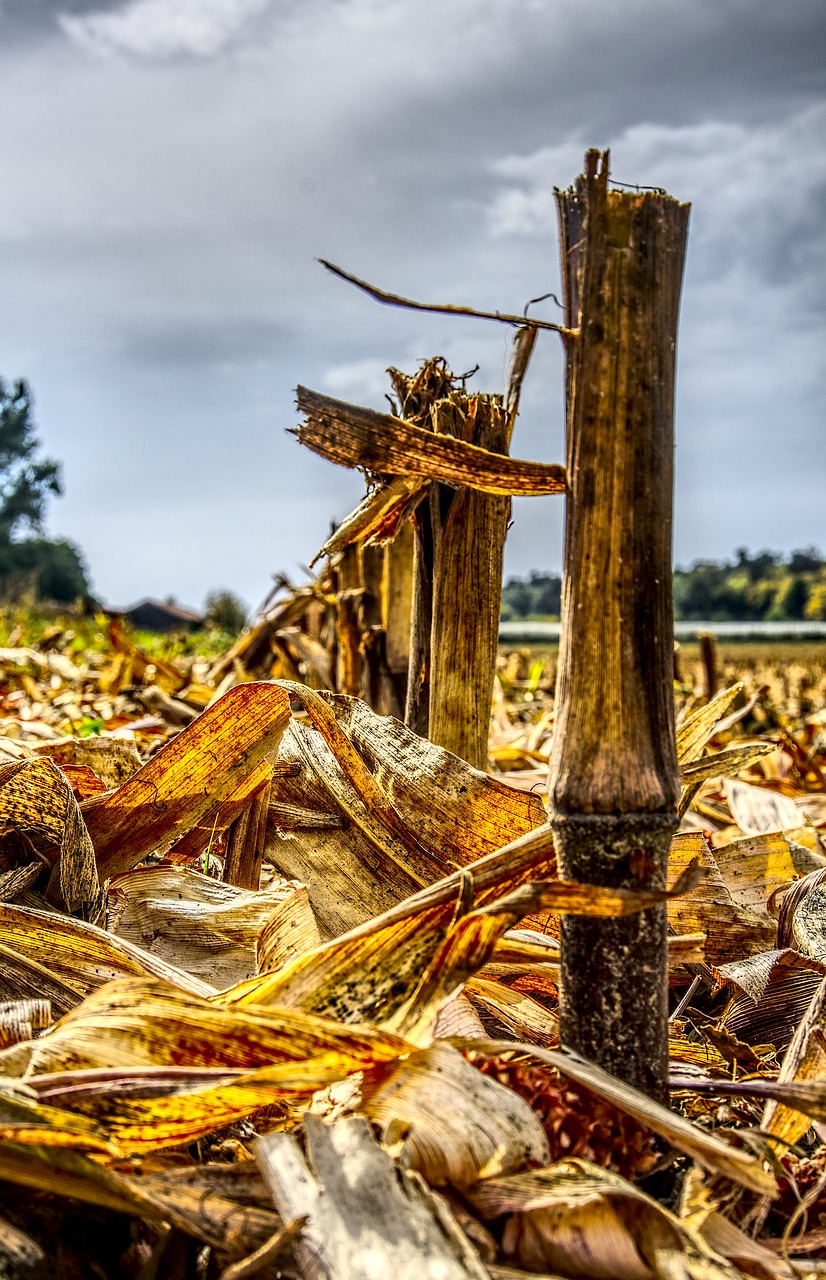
173	168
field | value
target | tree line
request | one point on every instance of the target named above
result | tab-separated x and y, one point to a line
768	586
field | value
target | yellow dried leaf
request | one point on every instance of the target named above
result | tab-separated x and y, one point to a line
76	957
463	1125
194	922
582	1220
189	777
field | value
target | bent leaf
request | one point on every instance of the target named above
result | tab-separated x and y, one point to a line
189	777
462	1125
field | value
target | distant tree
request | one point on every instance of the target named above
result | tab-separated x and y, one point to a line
816	605
54	569
25	481
540	595
226	611
808	560
790	600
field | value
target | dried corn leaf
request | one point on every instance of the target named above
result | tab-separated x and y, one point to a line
288	931
203	834
693	735
161	672
462	1125
731	930
413	811
156	1108
134	1022
193	922
304	649
13	882
113	760
587	1221
19	1019
373	971
754	867
216	1219
699	1211
801	917
696	1053
757	810
355	437
805	1096
770	994
471	940
724	763
22	978
805	1061
36	801
376	518
526	946
189	777
523	1017
63	960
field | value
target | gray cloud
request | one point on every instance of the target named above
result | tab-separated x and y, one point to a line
178	167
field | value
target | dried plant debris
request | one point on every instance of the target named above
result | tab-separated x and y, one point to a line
279	977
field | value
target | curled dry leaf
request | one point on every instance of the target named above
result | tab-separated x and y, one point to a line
804	1061
731	930
290	930
199	924
770	993
36	802
52	957
755	867
188	778
413	812
582	1220
800	920
522	1016
463	1125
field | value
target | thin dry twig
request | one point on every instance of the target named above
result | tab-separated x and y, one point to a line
395	300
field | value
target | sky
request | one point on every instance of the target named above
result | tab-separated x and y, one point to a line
172	170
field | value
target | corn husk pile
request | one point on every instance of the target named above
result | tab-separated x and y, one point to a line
278	986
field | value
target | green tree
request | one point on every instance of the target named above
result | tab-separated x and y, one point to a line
226	611
25	481
54	569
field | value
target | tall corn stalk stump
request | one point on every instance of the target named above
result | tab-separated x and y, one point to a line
614	780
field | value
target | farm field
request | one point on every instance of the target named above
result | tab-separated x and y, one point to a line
168	1009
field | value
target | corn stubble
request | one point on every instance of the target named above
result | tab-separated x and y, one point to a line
280	974
192	1057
